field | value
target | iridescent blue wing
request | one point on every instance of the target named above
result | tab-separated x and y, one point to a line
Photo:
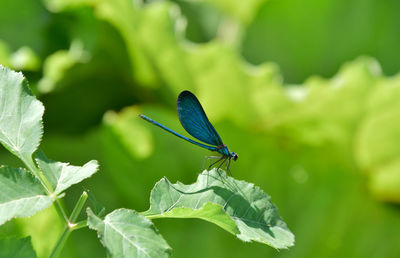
194	119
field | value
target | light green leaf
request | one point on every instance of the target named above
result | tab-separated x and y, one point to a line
16	248
57	64
5	53
244	204
126	233
20	115
244	11
62	175
384	182
25	59
126	16
122	124
21	194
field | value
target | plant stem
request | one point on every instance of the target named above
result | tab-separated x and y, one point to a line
47	186
78	207
80	224
71	225
38	174
61	242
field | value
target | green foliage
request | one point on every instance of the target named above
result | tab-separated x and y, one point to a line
325	149
246	209
319	36
21	115
26	192
13	247
21	194
61	175
125	233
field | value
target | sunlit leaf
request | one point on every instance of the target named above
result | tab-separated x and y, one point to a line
244	11
21	194
62	175
57	64
20	115
384	182
255	216
25	59
18	248
126	233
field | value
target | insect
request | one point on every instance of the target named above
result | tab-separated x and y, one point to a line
194	120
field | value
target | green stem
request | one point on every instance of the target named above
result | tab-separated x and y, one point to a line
78	207
80	224
38	173
61	242
47	186
71	226
60	210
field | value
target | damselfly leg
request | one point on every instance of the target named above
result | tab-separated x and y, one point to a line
209	157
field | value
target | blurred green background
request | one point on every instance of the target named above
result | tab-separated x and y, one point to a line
305	92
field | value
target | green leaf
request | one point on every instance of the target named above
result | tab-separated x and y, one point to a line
384	182
16	248
5	53
20	116
57	64
244	204
122	124
126	233
244	11
126	16
62	175
21	194
25	59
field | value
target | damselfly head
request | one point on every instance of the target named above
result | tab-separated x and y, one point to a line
234	156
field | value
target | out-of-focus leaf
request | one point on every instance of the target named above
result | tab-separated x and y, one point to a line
163	21
16	248
23	26
327	111
21	113
25	59
281	31
384	182
126	17
57	64
126	233
123	124
202	20
376	143
5	54
376	149
62	175
244	11
21	194
45	227
60	5
246	205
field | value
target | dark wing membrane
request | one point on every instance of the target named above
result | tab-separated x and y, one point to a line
194	119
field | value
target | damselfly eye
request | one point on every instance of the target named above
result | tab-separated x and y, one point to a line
234	156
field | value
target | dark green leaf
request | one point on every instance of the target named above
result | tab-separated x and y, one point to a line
16	248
